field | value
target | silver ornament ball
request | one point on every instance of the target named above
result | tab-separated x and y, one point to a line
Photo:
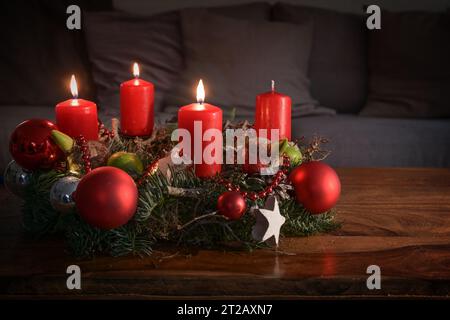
16	179
61	194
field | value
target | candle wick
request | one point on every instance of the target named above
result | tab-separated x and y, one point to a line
273	85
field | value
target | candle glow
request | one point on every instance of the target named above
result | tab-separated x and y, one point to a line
136	73
74	87
74	90
200	92
136	70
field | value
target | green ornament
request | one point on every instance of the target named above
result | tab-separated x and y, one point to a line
64	142
292	151
128	162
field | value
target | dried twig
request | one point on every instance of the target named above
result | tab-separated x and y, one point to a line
184	192
314	151
208	215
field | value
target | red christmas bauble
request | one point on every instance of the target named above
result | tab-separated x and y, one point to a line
31	145
106	198
316	185
231	204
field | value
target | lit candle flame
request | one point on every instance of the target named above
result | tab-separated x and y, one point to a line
74	87
136	70
200	92
273	85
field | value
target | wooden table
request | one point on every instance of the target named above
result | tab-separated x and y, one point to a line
398	219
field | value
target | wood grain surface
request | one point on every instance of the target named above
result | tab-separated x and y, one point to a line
398	219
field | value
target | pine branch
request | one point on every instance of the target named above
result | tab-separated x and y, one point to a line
181	209
39	218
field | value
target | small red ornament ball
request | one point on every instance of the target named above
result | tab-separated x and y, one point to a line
317	186
106	198
231	205
31	145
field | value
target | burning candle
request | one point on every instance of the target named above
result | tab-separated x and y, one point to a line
273	111
210	117
76	116
136	106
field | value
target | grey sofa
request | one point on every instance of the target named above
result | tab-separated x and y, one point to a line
355	141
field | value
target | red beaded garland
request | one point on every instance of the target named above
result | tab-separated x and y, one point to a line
104	132
86	155
277	178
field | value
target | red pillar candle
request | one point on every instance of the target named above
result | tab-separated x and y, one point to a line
211	118
273	111
76	116
136	106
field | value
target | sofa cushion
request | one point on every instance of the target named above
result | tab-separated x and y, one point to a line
250	11
231	56
39	53
357	141
115	40
338	64
410	66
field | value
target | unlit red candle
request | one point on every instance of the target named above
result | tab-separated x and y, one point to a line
211	118
273	111
76	116
136	106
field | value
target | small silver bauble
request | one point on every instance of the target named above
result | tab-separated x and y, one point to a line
16	179
61	194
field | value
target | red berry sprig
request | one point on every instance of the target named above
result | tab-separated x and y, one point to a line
151	169
104	132
85	153
277	178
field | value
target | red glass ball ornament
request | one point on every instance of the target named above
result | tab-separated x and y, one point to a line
317	186
31	145
231	204
106	198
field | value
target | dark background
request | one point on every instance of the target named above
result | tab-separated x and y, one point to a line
380	96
